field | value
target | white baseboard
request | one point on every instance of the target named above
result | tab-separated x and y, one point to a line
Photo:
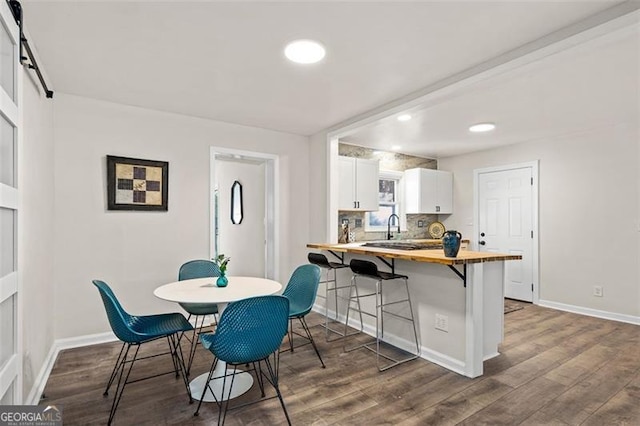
488	357
88	340
445	361
43	375
630	319
430	355
59	345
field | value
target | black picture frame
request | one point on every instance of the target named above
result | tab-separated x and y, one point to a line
137	184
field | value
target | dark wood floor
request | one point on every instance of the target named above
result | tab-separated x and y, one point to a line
555	368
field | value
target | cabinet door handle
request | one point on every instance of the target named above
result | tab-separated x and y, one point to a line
354	204
437	208
358	204
482	243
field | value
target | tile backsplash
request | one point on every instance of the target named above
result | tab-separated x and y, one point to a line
412	232
388	160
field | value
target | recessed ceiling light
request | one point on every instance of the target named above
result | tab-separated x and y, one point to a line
396	147
404	117
304	51
482	127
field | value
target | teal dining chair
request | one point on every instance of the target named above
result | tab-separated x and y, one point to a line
198	269
250	331
133	331
301	291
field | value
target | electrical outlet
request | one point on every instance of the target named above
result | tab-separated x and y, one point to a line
442	323
421	224
597	291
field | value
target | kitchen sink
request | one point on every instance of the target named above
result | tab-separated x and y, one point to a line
402	245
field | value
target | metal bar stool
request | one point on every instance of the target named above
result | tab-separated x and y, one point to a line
366	269
331	285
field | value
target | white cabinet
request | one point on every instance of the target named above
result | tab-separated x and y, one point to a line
428	191
358	180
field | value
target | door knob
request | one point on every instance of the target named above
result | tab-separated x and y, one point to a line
481	243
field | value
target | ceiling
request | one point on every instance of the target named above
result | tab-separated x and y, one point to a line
224	61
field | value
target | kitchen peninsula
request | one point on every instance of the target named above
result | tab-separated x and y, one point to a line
467	291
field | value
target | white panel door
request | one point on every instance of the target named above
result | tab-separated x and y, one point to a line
10	363
506	225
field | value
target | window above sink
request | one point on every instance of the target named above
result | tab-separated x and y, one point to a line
390	200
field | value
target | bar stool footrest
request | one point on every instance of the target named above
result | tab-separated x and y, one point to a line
394	361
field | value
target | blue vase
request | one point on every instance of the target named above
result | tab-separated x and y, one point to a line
451	243
222	280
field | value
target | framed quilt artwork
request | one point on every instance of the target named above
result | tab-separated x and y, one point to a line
135	184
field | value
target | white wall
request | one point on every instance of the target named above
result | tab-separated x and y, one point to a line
137	251
589	218
36	223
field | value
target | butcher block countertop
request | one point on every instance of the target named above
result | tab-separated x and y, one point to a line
427	256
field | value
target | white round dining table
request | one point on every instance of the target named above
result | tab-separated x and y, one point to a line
204	290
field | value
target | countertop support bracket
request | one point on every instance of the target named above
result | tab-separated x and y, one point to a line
391	264
462	275
339	256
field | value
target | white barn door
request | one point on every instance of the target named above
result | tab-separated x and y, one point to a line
10	362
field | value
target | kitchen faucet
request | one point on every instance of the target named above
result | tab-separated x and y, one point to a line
389	225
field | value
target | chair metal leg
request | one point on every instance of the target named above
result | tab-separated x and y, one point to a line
207	386
194	343
276	361
274	382
122	384
413	322
310	337
346	320
353	287
290	334
182	333
224	405
176	351
334	289
115	370
379	318
194	340
326	305
173	357
258	369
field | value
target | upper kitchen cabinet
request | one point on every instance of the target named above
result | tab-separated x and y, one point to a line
358	184
428	191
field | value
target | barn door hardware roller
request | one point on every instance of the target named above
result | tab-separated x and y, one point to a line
29	60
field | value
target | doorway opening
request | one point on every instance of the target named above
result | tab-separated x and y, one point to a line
252	243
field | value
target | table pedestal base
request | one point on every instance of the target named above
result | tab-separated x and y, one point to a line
241	384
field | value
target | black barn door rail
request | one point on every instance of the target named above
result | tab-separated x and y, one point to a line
29	60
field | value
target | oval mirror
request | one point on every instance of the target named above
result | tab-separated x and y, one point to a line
236	203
